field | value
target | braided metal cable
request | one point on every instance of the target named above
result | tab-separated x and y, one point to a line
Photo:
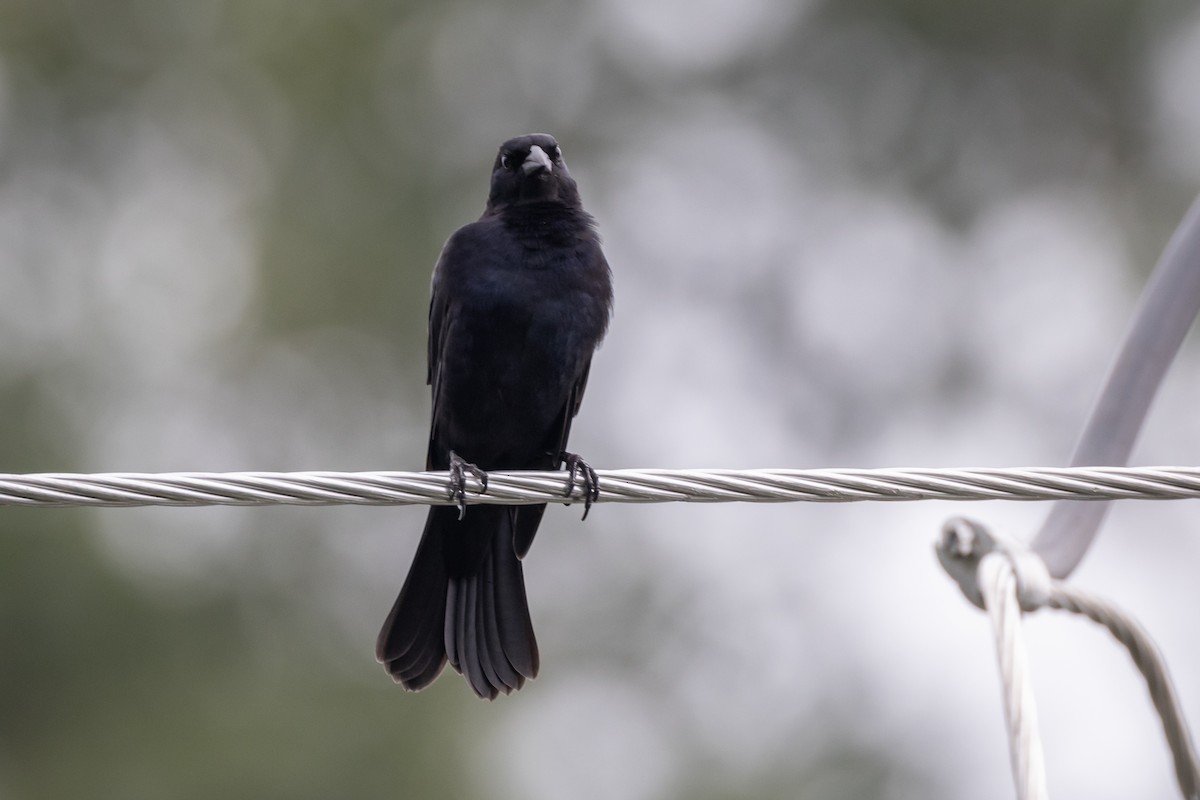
616	486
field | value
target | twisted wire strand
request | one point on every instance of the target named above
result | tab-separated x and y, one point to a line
616	486
1149	662
1010	579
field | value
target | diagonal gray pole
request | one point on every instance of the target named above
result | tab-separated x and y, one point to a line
1168	306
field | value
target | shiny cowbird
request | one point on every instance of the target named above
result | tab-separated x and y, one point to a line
521	299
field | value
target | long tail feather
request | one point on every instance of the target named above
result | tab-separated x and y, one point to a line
473	615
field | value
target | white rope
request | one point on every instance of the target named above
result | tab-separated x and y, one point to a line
998	584
1005	579
616	486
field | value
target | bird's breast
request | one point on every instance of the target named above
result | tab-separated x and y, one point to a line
510	361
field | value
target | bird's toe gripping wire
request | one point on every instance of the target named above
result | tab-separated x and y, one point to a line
458	481
580	472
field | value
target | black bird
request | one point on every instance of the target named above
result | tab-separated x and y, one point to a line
521	299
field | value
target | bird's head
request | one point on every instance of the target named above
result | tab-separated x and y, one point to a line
530	169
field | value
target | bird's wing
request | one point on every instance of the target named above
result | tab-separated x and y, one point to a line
529	517
440	317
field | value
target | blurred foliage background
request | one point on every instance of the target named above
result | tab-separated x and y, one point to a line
858	233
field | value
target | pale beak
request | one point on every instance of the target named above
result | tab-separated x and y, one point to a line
537	161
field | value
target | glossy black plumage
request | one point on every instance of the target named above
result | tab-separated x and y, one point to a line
521	298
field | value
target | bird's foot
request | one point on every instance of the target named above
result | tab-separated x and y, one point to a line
580	472
458	481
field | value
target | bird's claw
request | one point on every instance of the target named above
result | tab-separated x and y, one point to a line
580	472
458	481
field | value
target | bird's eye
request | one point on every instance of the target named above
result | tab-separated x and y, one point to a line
556	153
504	160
